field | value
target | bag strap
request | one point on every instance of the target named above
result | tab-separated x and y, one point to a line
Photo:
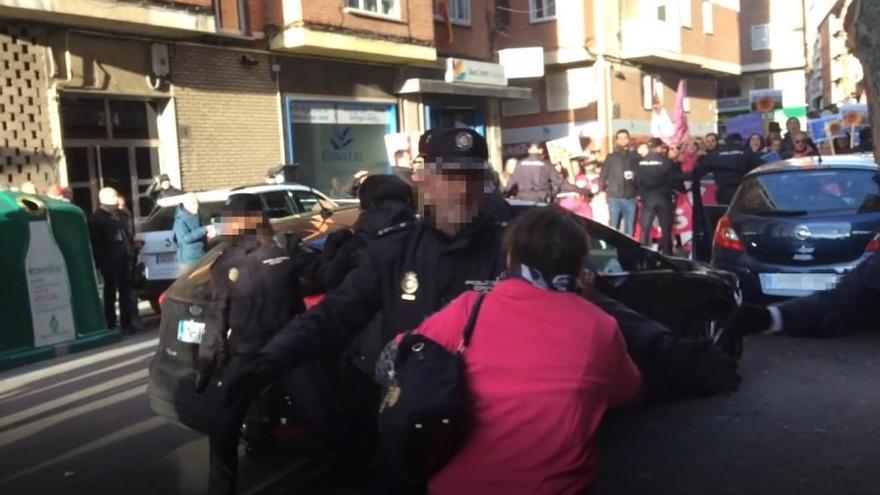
472	321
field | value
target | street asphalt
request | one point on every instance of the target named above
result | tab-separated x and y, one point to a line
804	422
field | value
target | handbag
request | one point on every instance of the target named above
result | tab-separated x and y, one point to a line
423	417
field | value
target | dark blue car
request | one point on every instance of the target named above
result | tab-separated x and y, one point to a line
794	227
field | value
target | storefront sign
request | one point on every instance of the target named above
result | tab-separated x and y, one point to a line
48	288
355	114
471	71
765	100
520	63
313	113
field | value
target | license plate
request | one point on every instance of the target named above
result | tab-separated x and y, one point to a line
166	258
190	331
797	284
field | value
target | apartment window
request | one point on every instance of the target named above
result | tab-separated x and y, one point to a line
459	11
384	8
761	37
542	10
686	13
708	19
661	13
652	88
763	82
502	14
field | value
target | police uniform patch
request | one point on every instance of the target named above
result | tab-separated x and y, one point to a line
233	274
464	141
410	285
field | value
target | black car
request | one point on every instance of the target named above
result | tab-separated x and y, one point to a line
688	296
795	227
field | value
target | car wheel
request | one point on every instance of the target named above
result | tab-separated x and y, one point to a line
708	325
154	303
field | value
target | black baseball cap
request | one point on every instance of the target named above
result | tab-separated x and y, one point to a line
242	203
454	149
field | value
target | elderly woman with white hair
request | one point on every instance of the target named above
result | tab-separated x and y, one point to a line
113	250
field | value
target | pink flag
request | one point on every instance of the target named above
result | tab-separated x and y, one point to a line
679	117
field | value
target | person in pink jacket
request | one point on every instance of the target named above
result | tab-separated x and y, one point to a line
543	367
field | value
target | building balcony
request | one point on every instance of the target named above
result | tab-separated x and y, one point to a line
651	41
311	40
153	17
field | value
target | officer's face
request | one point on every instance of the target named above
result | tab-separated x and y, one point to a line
450	201
242	223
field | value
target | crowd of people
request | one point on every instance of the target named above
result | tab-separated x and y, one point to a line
640	184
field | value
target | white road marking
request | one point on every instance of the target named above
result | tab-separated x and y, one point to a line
16	378
117	436
32	428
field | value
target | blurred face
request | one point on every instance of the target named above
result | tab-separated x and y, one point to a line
773	135
241	223
793	125
776	145
622	140
120	202
165	184
191	204
642	150
755	142
800	142
450	201
711	142
535	150
673	153
690	147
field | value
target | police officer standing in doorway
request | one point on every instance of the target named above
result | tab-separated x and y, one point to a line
414	270
657	179
257	292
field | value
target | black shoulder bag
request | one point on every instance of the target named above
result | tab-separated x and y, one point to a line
424	415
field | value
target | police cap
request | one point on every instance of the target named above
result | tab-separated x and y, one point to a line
453	149
243	204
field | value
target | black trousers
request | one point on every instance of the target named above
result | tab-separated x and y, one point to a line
116	272
662	208
314	401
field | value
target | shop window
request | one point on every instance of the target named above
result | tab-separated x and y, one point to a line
459	11
542	10
331	141
385	8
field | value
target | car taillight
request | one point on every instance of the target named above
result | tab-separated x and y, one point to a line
725	236
874	245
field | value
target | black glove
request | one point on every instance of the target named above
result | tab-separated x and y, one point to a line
203	379
748	319
246	382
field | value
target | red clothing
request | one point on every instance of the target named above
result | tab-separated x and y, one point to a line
543	367
688	162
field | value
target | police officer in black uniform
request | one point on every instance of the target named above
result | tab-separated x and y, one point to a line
257	292
657	179
729	164
412	271
534	178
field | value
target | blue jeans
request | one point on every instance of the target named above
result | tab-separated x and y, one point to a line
622	208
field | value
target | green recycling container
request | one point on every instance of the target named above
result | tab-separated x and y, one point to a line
49	298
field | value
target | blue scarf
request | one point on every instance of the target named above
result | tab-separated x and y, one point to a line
559	283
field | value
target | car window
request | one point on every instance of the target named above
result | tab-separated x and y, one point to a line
308	201
161	219
603	258
808	192
278	204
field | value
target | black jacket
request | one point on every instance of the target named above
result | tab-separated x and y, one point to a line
729	165
110	234
618	175
657	176
535	180
413	271
343	248
256	292
850	306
